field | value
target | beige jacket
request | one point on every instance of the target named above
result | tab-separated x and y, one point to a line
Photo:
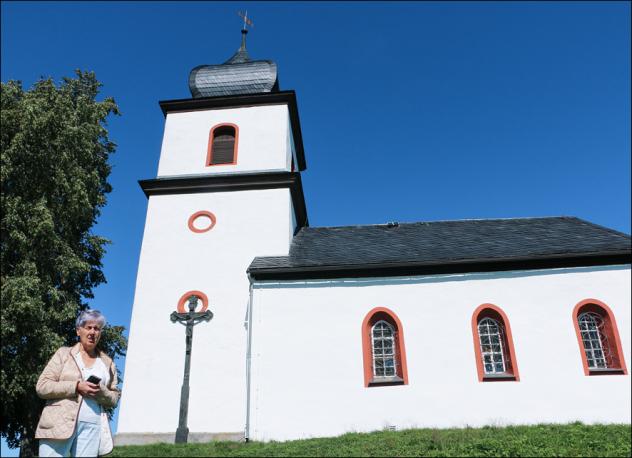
58	385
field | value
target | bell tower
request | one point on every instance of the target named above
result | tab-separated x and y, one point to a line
228	189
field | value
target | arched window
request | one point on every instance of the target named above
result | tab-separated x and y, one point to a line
383	346
222	145
493	345
491	335
384	354
598	338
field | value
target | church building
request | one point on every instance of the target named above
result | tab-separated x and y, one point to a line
319	331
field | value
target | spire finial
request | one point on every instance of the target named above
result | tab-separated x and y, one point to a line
247	22
243	40
241	55
244	29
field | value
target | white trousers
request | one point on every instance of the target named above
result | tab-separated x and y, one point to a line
83	442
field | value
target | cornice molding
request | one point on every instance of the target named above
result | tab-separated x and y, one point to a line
242	182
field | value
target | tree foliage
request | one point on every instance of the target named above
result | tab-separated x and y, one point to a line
54	170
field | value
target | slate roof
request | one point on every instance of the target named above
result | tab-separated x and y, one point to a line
341	250
238	75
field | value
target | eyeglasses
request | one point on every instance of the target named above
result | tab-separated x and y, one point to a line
92	328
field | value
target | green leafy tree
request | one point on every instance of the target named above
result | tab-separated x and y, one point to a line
54	169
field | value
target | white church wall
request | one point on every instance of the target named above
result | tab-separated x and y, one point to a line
173	261
293	225
261	145
307	367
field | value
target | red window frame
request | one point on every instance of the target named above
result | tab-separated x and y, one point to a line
375	315
211	136
194	216
611	331
495	312
183	307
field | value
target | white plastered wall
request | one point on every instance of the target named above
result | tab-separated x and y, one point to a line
264	140
175	260
307	367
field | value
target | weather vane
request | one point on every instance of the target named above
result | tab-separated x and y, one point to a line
244	16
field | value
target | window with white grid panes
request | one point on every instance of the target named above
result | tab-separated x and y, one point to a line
383	346
598	339
591	327
491	337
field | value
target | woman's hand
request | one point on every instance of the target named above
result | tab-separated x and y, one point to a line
87	389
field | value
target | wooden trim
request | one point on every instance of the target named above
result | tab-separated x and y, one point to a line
367	352
195	215
613	330
211	137
514	375
187	295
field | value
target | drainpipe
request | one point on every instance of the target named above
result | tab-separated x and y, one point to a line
248	359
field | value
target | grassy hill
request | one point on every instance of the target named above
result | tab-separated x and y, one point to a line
540	440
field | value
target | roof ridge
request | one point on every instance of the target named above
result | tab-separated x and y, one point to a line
446	221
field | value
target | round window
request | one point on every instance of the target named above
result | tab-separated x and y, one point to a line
201	302
202	221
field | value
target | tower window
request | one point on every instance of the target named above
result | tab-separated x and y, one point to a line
598	338
383	349
222	145
493	345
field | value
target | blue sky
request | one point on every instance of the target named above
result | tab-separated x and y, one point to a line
409	111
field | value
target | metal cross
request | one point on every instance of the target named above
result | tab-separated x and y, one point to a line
189	319
247	21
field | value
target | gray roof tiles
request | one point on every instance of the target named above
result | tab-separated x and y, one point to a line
238	75
253	77
445	242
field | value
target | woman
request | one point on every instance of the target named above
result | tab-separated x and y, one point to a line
73	422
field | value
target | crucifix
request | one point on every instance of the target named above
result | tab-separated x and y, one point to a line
189	319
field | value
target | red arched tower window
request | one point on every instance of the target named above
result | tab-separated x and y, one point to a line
222	145
493	345
598	338
384	353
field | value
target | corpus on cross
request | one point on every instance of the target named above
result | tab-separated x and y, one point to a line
189	319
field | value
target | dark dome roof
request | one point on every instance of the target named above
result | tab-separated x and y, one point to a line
238	75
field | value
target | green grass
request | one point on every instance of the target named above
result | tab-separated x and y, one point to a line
541	440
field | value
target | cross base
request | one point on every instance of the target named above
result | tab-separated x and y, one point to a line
182	435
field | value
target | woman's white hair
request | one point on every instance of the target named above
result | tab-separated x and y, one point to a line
90	315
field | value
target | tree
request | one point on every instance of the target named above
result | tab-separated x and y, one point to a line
54	157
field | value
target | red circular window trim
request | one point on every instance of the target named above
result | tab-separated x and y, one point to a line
187	295
196	215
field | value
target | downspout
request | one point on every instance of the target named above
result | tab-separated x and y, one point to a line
248	359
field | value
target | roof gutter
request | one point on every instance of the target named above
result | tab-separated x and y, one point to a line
248	324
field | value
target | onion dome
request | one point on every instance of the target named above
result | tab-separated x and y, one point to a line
238	75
